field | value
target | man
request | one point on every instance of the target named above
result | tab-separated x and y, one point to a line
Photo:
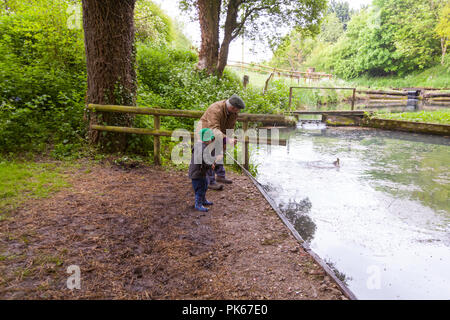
219	117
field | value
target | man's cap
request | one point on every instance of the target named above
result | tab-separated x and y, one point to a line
206	134
236	101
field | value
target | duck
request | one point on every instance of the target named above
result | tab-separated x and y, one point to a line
336	163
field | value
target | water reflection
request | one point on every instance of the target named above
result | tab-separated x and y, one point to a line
297	213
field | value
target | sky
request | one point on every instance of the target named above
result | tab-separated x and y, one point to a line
247	52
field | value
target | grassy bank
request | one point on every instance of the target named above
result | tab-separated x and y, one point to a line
435	77
440	117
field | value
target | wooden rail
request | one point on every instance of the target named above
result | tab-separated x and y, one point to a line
156	132
331	112
280	72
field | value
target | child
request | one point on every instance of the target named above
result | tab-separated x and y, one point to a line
198	169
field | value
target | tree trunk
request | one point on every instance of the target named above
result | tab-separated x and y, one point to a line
230	26
110	57
209	16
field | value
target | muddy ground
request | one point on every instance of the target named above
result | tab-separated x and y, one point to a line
134	234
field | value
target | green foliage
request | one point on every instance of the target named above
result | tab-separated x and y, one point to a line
392	37
443	27
331	29
42	71
168	79
443	30
341	10
151	24
435	77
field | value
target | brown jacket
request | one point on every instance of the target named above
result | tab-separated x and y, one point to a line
217	118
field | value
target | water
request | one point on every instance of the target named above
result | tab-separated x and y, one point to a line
377	106
381	219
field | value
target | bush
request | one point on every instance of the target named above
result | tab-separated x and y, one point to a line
42	71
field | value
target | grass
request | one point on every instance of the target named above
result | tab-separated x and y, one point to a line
440	117
301	97
22	180
435	77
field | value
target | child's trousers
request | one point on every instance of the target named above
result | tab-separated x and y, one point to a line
200	186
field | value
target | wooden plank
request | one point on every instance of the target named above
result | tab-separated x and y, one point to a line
436	94
334	112
258	67
386	97
164	133
337	88
395	93
196	114
409	126
145	110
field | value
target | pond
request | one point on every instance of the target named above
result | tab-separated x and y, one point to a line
381	219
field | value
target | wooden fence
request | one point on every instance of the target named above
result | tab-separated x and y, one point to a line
280	72
403	95
156	132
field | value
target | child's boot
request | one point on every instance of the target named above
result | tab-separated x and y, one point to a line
206	202
198	204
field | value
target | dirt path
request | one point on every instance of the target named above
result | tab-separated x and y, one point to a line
134	234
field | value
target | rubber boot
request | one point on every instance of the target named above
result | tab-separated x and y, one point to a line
206	202
198	204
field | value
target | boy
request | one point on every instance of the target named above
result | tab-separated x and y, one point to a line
198	169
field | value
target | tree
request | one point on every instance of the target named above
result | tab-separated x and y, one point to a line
342	11
332	28
151	24
264	18
110	57
411	24
443	30
293	50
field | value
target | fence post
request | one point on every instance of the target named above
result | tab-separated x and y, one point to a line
246	161
353	99
290	97
156	141
245	81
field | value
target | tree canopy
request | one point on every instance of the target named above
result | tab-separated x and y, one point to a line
390	37
263	19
